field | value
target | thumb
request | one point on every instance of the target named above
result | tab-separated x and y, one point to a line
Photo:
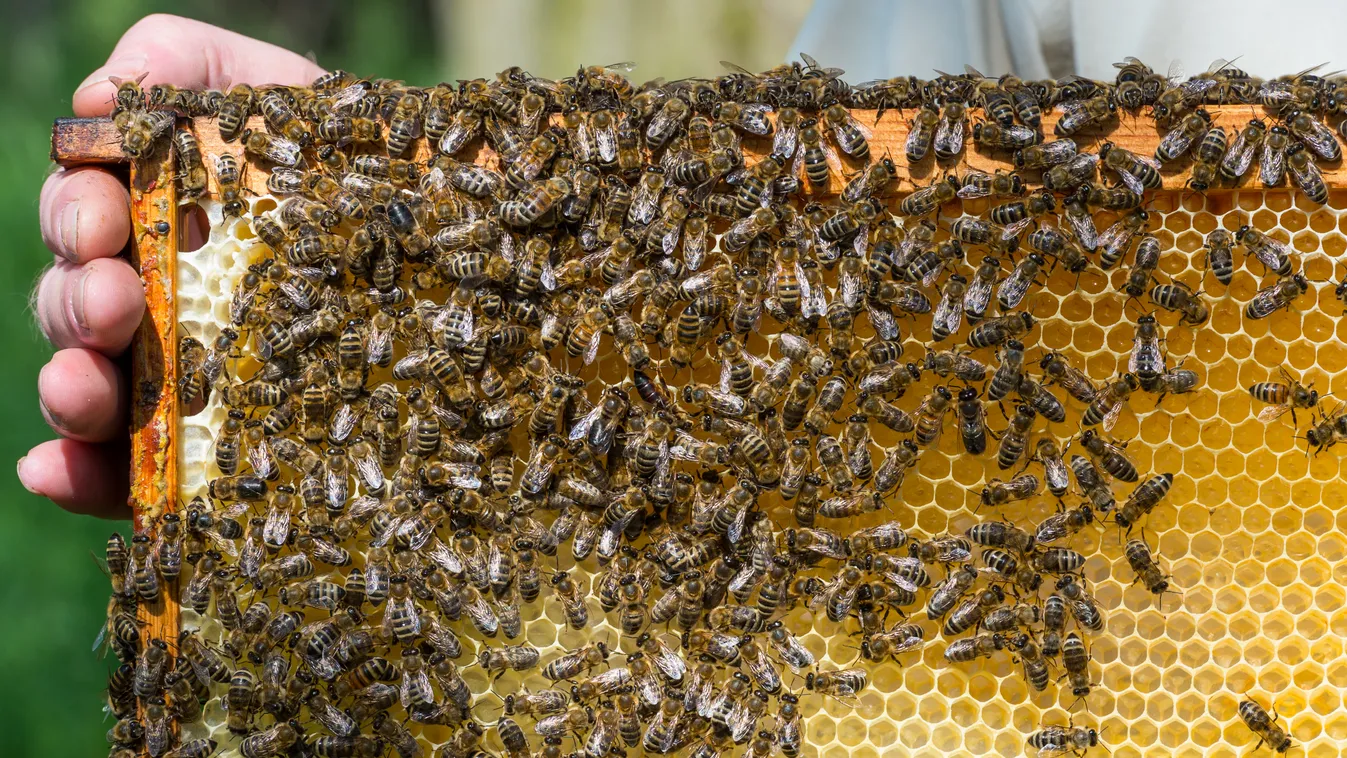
174	50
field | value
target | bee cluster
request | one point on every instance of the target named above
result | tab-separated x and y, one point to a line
419	456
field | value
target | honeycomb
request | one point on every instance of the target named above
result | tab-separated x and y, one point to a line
1252	530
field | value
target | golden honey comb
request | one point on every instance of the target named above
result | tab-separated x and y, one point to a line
1251	530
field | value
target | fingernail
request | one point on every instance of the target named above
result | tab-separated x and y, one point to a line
70	230
77	296
53	420
23	480
125	67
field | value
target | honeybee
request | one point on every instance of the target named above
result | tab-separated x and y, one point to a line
978	294
948	314
1005	137
1136	172
922	132
1145	566
141	130
270	147
281	119
1045	155
1306	173
971	648
233	112
1080	115
998	331
843	684
1272	161
947	594
1015	287
1239	155
977	184
1057	740
971	612
1314	135
1283	397
1183	136
998	493
1143	499
1076	660
1276	296
1264	726
929	199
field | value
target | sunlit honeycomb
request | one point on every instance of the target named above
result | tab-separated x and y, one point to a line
1252	530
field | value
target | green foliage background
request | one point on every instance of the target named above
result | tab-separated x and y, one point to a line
52	595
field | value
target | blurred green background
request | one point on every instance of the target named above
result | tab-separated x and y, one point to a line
52	595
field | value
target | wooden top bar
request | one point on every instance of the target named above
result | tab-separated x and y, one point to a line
78	141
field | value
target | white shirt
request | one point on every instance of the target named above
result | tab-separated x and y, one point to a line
1035	39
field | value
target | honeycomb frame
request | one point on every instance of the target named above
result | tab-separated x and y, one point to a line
1252	532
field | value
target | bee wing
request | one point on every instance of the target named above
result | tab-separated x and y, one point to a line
394	526
408	687
1051	529
1239	163
344	421
102	635
929	277
1196	88
1087	234
1176	142
670	664
736	530
953	551
949	136
1013	289
1305	173
883	321
1272	165
1320	139
1111	418
694	249
1273	412
1117	236
447	417
1131	182
592	351
1055	472
814	299
1016	229
1072	109
1230	161
978	294
849	289
971	191
445	557
900	581
948	314
284	152
377	344
669	242
1060	150
606	141
861	242
259	457
1276	92
547	277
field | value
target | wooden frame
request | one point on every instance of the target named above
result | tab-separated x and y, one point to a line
154	211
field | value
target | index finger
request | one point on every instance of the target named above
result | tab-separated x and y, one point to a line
186	53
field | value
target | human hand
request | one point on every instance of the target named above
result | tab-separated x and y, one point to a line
91	300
